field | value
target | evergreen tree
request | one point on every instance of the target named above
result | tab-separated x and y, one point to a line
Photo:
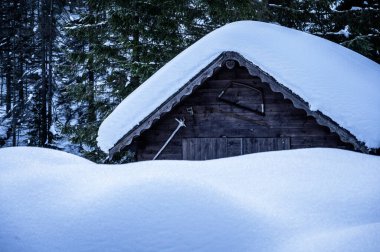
357	25
17	65
64	65
82	75
352	23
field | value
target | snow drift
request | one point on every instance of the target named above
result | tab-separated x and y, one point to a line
298	200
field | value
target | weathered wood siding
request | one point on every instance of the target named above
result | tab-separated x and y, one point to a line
211	148
208	118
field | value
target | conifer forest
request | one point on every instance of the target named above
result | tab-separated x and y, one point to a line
66	64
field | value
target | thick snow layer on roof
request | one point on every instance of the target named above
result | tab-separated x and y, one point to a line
334	80
298	200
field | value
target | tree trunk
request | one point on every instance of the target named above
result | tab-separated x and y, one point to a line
8	84
50	83
135	78
91	110
91	116
43	90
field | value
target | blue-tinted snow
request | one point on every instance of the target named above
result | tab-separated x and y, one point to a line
298	200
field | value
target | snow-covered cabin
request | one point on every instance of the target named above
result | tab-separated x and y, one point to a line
250	87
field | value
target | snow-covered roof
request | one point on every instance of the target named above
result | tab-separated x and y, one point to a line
332	79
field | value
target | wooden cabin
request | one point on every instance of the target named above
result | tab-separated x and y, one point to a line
236	109
237	91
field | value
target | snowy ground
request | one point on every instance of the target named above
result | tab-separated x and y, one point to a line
299	200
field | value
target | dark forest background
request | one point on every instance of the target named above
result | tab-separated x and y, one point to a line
65	65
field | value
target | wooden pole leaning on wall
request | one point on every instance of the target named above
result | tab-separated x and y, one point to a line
181	123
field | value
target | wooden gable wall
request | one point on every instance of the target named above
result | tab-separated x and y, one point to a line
216	128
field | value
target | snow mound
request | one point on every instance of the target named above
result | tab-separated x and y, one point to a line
338	82
298	200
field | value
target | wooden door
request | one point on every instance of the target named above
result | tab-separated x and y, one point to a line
253	145
212	148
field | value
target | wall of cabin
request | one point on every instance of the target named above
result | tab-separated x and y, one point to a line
233	126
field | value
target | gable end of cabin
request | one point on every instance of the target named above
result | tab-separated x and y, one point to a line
231	108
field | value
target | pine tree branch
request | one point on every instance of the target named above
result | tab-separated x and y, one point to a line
348	42
332	11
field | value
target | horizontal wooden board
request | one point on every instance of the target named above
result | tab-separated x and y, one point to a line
285	108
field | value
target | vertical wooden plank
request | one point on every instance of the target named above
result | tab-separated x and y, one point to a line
220	148
261	144
189	149
254	145
216	146
234	147
211	148
185	149
278	143
285	143
248	145
196	143
270	144
244	146
202	149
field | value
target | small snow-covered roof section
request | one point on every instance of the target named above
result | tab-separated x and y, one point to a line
332	79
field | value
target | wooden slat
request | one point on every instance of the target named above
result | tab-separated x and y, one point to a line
249	146
234	147
185	149
212	148
204	148
254	145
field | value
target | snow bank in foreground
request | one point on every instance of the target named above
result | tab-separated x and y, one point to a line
340	83
299	200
